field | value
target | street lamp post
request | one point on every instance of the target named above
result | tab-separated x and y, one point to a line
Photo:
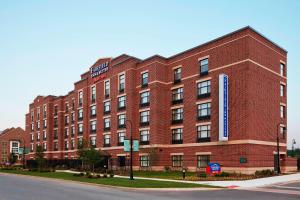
293	148
131	150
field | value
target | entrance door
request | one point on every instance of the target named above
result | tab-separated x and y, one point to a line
122	160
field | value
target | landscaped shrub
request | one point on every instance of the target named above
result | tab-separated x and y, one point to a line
167	169
265	172
223	174
202	175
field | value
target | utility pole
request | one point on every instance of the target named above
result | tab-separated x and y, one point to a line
131	150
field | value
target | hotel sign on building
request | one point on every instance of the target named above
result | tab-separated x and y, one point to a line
223	107
99	69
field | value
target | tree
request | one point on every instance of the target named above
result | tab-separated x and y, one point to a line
39	157
13	158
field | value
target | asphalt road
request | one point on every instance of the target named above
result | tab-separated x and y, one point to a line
14	187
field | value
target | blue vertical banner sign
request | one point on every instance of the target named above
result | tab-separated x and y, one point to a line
223	107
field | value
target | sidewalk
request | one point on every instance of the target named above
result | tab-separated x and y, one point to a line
238	184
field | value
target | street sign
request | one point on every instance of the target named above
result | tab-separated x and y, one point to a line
21	150
135	145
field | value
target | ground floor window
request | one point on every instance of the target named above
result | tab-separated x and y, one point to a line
177	161
203	160
144	161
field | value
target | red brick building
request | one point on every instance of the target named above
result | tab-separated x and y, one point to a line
223	101
11	140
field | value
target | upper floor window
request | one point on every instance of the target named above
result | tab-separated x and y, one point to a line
204	111
107	140
121	102
177	95
144	137
177	115
73	117
145	99
80	129
93	94
177	136
93	111
282	111
177	75
121	137
45	123
80	114
14	147
55	110
38	113
45	111
55	122
93	126
73	104
67	107
66	120
144	118
177	161
93	141
106	88
282	69
106	107
203	132
204	89
32	115
121	82
282	90
80	98
121	120
72	144
145	79
203	161
107	123
204	66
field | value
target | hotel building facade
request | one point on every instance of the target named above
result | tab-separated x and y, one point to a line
224	101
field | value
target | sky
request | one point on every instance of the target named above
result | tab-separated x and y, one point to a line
46	45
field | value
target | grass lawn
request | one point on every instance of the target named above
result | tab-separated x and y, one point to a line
162	175
123	182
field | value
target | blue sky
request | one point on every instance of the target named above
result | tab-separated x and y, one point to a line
46	45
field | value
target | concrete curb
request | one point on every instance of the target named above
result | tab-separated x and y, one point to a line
111	186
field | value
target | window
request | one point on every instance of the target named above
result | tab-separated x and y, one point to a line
121	120
55	122
73	104
177	115
121	82
282	129
121	137
107	140
177	136
45	123
145	99
38	125
14	147
204	111
79	142
66	120
32	137
93	141
66	132
106	107
80	114
204	66
31	147
204	89
67	107
66	145
55	110
32	115
38	136
144	118
73	118
282	111
121	102
145	79
45	146
44	135
93	127
80	98
80	129
144	161
93	94
93	111
72	144
106	88
203	161
282	90
106	124
32	127
55	134
203	132
282	69
38	113
144	137
72	131
177	95
45	111
177	161
177	75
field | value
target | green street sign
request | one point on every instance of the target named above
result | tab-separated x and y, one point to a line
243	160
135	145
21	150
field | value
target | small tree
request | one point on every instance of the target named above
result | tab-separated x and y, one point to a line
13	158
39	157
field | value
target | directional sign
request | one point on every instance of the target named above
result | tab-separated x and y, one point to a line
135	145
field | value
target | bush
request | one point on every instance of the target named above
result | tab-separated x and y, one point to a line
202	175
167	169
265	172
223	174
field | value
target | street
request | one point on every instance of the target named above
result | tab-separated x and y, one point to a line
14	187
